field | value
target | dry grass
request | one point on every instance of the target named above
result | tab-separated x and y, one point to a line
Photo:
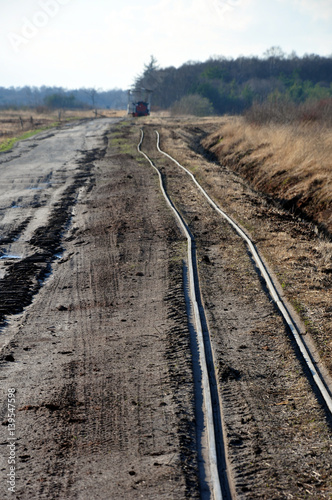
293	162
14	123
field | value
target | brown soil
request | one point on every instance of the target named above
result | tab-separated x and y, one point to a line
101	358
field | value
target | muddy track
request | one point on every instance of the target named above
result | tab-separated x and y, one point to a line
23	279
100	359
11	236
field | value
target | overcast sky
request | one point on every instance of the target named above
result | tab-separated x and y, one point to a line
105	43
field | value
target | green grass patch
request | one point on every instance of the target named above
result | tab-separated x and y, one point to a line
299	308
122	138
8	144
246	225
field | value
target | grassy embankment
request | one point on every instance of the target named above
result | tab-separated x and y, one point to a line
291	161
17	125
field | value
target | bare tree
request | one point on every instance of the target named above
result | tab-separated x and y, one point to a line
274	55
92	92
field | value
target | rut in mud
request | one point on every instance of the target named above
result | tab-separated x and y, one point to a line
23	279
100	358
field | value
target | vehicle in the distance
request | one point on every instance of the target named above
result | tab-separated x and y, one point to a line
139	102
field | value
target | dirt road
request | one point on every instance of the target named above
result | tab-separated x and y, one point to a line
100	410
95	337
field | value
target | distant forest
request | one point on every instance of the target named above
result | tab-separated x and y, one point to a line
233	85
220	85
57	97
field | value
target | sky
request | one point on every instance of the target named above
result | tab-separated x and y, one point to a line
104	44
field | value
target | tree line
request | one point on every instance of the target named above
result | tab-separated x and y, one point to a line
232	85
60	98
219	85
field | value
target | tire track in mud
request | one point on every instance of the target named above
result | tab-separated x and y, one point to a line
24	278
14	233
118	412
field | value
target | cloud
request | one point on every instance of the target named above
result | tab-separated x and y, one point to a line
111	42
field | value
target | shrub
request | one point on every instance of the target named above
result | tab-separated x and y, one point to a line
193	104
285	111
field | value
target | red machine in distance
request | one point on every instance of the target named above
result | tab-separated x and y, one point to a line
139	102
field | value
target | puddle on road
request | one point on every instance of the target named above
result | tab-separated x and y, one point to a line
10	256
45	185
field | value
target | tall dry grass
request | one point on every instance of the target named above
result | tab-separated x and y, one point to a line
291	161
281	110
